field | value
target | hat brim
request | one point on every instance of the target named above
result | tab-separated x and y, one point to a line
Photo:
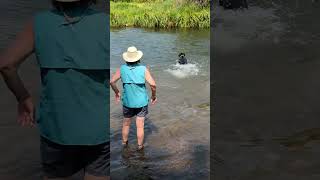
134	59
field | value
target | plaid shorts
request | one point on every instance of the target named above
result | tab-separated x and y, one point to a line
130	112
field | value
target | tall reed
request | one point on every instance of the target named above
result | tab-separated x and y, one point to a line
159	14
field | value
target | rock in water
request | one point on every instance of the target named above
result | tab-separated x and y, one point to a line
204	105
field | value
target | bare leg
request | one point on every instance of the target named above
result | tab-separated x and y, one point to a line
125	129
140	129
91	177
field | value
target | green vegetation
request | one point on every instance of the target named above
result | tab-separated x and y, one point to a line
160	13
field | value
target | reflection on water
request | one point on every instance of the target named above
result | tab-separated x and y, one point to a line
177	128
266	73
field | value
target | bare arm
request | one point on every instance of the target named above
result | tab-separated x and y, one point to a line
10	60
152	83
113	81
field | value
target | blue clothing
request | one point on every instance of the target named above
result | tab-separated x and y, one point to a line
74	62
134	94
81	45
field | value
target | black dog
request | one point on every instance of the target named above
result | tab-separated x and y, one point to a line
182	59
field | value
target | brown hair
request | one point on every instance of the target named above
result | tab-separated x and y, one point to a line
133	63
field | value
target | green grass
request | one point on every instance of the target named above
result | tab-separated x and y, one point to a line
159	14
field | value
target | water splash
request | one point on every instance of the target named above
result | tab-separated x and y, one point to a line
183	71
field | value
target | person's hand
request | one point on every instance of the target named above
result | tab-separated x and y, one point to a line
153	100
26	112
118	97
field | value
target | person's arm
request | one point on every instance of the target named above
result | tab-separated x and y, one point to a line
113	84
10	61
14	55
152	84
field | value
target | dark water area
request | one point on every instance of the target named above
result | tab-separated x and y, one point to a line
266	68
19	158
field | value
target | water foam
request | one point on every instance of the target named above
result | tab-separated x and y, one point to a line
183	71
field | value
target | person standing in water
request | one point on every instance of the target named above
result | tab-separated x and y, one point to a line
135	98
71	43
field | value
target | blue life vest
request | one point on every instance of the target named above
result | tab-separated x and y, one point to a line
134	94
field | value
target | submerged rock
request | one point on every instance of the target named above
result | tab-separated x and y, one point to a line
204	105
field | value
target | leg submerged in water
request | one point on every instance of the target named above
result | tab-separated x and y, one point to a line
140	131
125	130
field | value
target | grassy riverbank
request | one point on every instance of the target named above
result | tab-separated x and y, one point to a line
159	14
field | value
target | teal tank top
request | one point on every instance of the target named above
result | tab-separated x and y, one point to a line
74	62
134	93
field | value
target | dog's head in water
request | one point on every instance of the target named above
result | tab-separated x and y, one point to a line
182	55
182	58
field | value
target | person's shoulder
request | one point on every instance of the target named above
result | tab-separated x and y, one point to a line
44	15
47	12
100	18
122	66
144	66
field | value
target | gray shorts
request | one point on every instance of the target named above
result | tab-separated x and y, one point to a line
59	161
130	112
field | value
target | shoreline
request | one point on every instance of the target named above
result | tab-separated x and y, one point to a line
159	15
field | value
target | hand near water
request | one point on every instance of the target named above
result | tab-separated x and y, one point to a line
154	100
26	112
118	97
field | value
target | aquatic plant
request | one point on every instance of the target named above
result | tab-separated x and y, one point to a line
158	14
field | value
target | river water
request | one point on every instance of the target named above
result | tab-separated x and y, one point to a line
266	69
177	128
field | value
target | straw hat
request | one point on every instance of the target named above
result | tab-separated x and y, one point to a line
67	0
132	54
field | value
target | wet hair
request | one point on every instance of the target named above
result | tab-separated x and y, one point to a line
182	54
133	63
68	5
